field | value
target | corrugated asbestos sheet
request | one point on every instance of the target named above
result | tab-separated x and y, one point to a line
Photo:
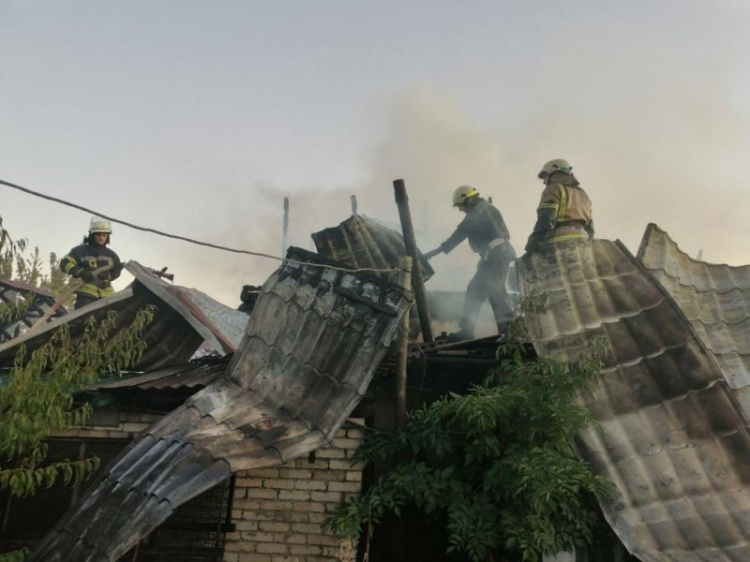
362	242
673	437
184	376
310	349
716	300
184	319
12	293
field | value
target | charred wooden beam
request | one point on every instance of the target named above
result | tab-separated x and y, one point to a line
402	200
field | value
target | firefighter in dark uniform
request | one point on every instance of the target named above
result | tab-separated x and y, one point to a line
488	235
83	261
564	212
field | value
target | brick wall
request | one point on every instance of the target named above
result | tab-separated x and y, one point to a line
279	511
114	425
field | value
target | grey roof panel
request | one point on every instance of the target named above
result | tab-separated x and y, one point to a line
673	436
184	319
715	299
310	350
13	292
181	376
360	242
219	324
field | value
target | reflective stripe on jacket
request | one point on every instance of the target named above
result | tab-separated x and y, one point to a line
564	212
91	257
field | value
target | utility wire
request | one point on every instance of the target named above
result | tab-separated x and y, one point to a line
184	238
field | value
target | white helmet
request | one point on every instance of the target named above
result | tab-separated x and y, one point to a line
100	225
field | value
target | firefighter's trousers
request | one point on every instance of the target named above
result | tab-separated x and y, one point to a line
489	282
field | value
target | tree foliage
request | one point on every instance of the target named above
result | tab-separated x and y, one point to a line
38	400
24	265
496	463
37	396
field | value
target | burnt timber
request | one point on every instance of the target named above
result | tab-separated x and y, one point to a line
308	354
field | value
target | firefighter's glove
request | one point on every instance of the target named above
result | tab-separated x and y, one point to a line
88	276
432	254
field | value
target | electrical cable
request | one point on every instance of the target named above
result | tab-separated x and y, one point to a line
185	238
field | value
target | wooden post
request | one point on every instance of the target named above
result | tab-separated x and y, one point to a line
402	200
402	351
285	234
354	205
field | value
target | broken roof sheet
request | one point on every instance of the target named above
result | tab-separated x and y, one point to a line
311	347
13	293
184	318
360	242
673	439
181	376
714	297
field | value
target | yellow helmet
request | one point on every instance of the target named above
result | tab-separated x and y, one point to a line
462	194
558	165
100	225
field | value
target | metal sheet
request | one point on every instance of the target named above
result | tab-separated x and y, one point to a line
183	376
219	324
310	350
673	437
361	242
11	293
184	319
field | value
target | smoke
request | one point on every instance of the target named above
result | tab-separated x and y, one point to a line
669	153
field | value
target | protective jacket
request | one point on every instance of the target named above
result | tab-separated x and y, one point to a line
564	212
89	257
488	235
483	225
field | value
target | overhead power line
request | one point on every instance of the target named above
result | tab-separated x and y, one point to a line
177	236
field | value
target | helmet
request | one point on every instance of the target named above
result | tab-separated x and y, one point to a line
462	194
553	166
100	225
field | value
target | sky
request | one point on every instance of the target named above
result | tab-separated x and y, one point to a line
198	117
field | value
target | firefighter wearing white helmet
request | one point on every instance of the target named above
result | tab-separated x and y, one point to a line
564	212
488	235
93	263
98	225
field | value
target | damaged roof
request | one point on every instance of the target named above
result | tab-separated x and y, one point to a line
714	297
191	375
360	242
183	319
310	349
13	293
673	437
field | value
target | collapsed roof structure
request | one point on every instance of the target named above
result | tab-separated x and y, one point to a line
38	304
672	404
715	298
183	319
673	433
361	242
312	344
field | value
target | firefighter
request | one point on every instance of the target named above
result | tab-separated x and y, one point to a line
83	262
564	212
488	235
